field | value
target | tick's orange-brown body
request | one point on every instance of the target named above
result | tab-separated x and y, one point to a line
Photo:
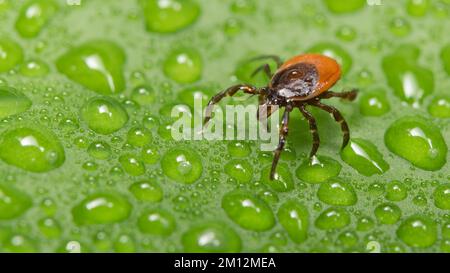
329	71
300	81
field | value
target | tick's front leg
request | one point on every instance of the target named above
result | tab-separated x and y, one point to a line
248	89
348	95
284	129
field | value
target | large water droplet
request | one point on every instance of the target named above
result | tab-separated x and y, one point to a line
411	81
364	157
101	208
337	193
97	65
282	180
294	217
374	103
441	197
104	115
33	16
418	141
12	102
212	238
11	54
333	218
182	165
248	211
184	65
166	16
156	222
147	191
418	231
318	169
348	6
240	170
31	149
388	214
13	202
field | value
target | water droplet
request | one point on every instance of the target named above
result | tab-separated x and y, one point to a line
166	16
418	231
400	27
346	33
411	81
13	202
104	115
374	103
335	52
184	65
294	217
445	57
144	95
156	222
11	54
139	136
33	16
50	228
364	157
440	107
150	155
132	164
365	224
99	150
31	149
239	149
348	6
189	95
34	68
18	243
243	6
239	169
333	218
418	141
396	191
12	102
211	238
337	193
97	65
282	180
182	165
388	214
441	197
101	208
124	244
232	27
147	191
417	8
318	169
248	211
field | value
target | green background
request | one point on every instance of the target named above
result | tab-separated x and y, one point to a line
284	28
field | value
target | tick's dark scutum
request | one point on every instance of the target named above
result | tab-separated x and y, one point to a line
301	79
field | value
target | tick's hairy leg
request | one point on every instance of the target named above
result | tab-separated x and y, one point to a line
338	118
312	128
284	129
248	89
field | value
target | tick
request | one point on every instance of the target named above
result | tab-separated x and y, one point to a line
300	81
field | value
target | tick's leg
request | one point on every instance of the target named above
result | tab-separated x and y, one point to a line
284	129
276	58
313	129
248	89
266	67
349	95
337	117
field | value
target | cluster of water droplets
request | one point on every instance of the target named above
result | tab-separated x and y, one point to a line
109	177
